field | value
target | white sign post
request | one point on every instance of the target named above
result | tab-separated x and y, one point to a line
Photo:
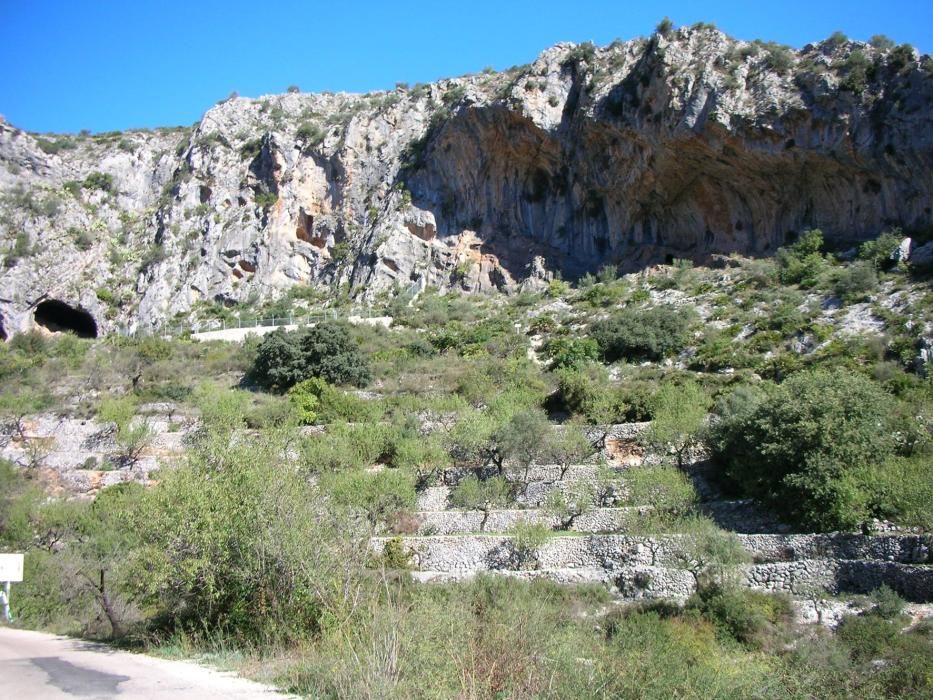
11	569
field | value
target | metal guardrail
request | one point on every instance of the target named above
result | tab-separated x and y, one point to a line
174	330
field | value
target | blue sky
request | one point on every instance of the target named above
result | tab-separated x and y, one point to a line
117	64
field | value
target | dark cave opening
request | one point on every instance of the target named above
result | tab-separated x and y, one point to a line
2	331
57	316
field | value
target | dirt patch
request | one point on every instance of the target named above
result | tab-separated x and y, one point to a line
625	452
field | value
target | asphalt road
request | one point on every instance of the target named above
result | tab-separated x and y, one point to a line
36	665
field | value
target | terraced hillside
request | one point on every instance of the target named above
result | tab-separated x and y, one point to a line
580	524
687	465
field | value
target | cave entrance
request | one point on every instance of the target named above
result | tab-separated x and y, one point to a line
57	316
2	331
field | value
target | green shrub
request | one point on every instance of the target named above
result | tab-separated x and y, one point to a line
888	604
855	67
567	351
311	134
586	392
880	251
544	323
238	544
779	58
868	637
900	488
748	617
557	288
639	334
666	489
317	401
378	495
395	556
527	540
327	351
266	200
60	144
83	240
21	248
856	282
802	262
719	350
98	181
29	343
269	412
251	149
801	445
304	399
154	255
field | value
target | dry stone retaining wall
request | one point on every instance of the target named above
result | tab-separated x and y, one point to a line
434	520
643	567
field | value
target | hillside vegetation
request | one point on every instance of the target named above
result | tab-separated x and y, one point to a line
800	382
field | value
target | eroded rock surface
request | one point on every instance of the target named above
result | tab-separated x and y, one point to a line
689	145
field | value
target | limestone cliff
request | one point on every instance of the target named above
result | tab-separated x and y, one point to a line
681	145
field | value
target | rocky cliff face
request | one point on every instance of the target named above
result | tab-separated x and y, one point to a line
684	145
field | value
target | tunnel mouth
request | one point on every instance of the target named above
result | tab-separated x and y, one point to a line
59	317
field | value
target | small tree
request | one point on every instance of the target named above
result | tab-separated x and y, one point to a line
131	433
666	489
706	551
101	552
568	505
527	539
473	493
523	440
16	405
569	446
679	413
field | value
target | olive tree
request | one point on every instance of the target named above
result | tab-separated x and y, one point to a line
132	433
706	551
679	413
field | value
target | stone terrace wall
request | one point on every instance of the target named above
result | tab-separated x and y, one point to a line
644	566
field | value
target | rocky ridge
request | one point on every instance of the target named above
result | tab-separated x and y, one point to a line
688	144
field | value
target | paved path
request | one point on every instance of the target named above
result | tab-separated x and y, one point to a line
37	665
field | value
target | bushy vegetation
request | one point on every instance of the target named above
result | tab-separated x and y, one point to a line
802	262
327	350
643	334
813	446
258	539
